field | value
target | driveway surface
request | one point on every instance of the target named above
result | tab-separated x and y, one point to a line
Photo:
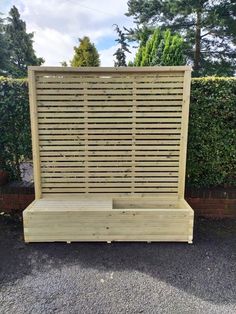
120	277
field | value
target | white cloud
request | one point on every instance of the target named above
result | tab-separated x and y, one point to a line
52	45
57	25
107	58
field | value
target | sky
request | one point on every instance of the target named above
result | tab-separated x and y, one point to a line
57	25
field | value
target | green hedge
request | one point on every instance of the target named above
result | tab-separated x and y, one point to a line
15	141
212	130
212	133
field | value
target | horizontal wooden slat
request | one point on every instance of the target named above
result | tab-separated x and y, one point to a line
98	184
49	146
75	134
94	104
91	175
93	115
107	108
92	137
165	154
111	91
109	97
116	131
110	126
112	79
110	158
110	119
109	190
113	163
105	84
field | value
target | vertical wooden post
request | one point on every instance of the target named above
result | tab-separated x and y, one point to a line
133	161
184	133
86	142
34	132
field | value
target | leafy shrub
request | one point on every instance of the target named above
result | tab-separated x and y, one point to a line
15	139
211	157
212	133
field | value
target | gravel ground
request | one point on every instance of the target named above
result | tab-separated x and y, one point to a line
120	277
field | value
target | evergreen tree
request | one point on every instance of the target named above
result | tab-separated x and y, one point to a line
4	57
20	45
142	37
208	28
162	48
86	54
64	64
120	52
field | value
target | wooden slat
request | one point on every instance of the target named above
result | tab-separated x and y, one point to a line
110	158
93	104
35	135
111	91
112	154
156	69
138	175
96	85
123	127
49	146
184	133
111	126
108	97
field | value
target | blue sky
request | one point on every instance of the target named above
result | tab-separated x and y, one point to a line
57	25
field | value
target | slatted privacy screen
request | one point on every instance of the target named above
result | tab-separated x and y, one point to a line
107	130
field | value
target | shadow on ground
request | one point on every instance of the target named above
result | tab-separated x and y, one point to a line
205	269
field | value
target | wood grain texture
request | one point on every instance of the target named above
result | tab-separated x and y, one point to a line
35	133
100	134
118	113
97	219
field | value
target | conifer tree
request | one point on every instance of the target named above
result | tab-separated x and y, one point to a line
208	28
162	48
19	45
4	57
122	49
86	54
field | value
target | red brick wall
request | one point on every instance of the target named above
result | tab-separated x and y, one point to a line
16	196
213	203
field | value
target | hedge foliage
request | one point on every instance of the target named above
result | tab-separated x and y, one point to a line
212	130
15	140
212	133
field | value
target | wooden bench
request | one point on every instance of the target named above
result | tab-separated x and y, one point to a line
109	152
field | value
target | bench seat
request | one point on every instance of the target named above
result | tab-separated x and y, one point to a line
75	218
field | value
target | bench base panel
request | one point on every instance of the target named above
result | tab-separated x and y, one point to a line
108	220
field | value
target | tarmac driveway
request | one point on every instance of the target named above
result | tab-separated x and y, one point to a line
120	277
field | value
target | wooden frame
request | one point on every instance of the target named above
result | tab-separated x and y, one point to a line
109	143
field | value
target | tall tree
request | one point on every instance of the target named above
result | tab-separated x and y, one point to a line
209	28
20	45
4	57
85	54
162	48
122	49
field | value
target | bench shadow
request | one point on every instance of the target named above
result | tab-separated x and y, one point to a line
204	269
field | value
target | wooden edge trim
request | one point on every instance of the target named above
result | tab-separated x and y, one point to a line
104	195
34	132
28	208
184	203
110	69
184	133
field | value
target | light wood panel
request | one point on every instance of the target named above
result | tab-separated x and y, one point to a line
104	219
110	122
109	148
